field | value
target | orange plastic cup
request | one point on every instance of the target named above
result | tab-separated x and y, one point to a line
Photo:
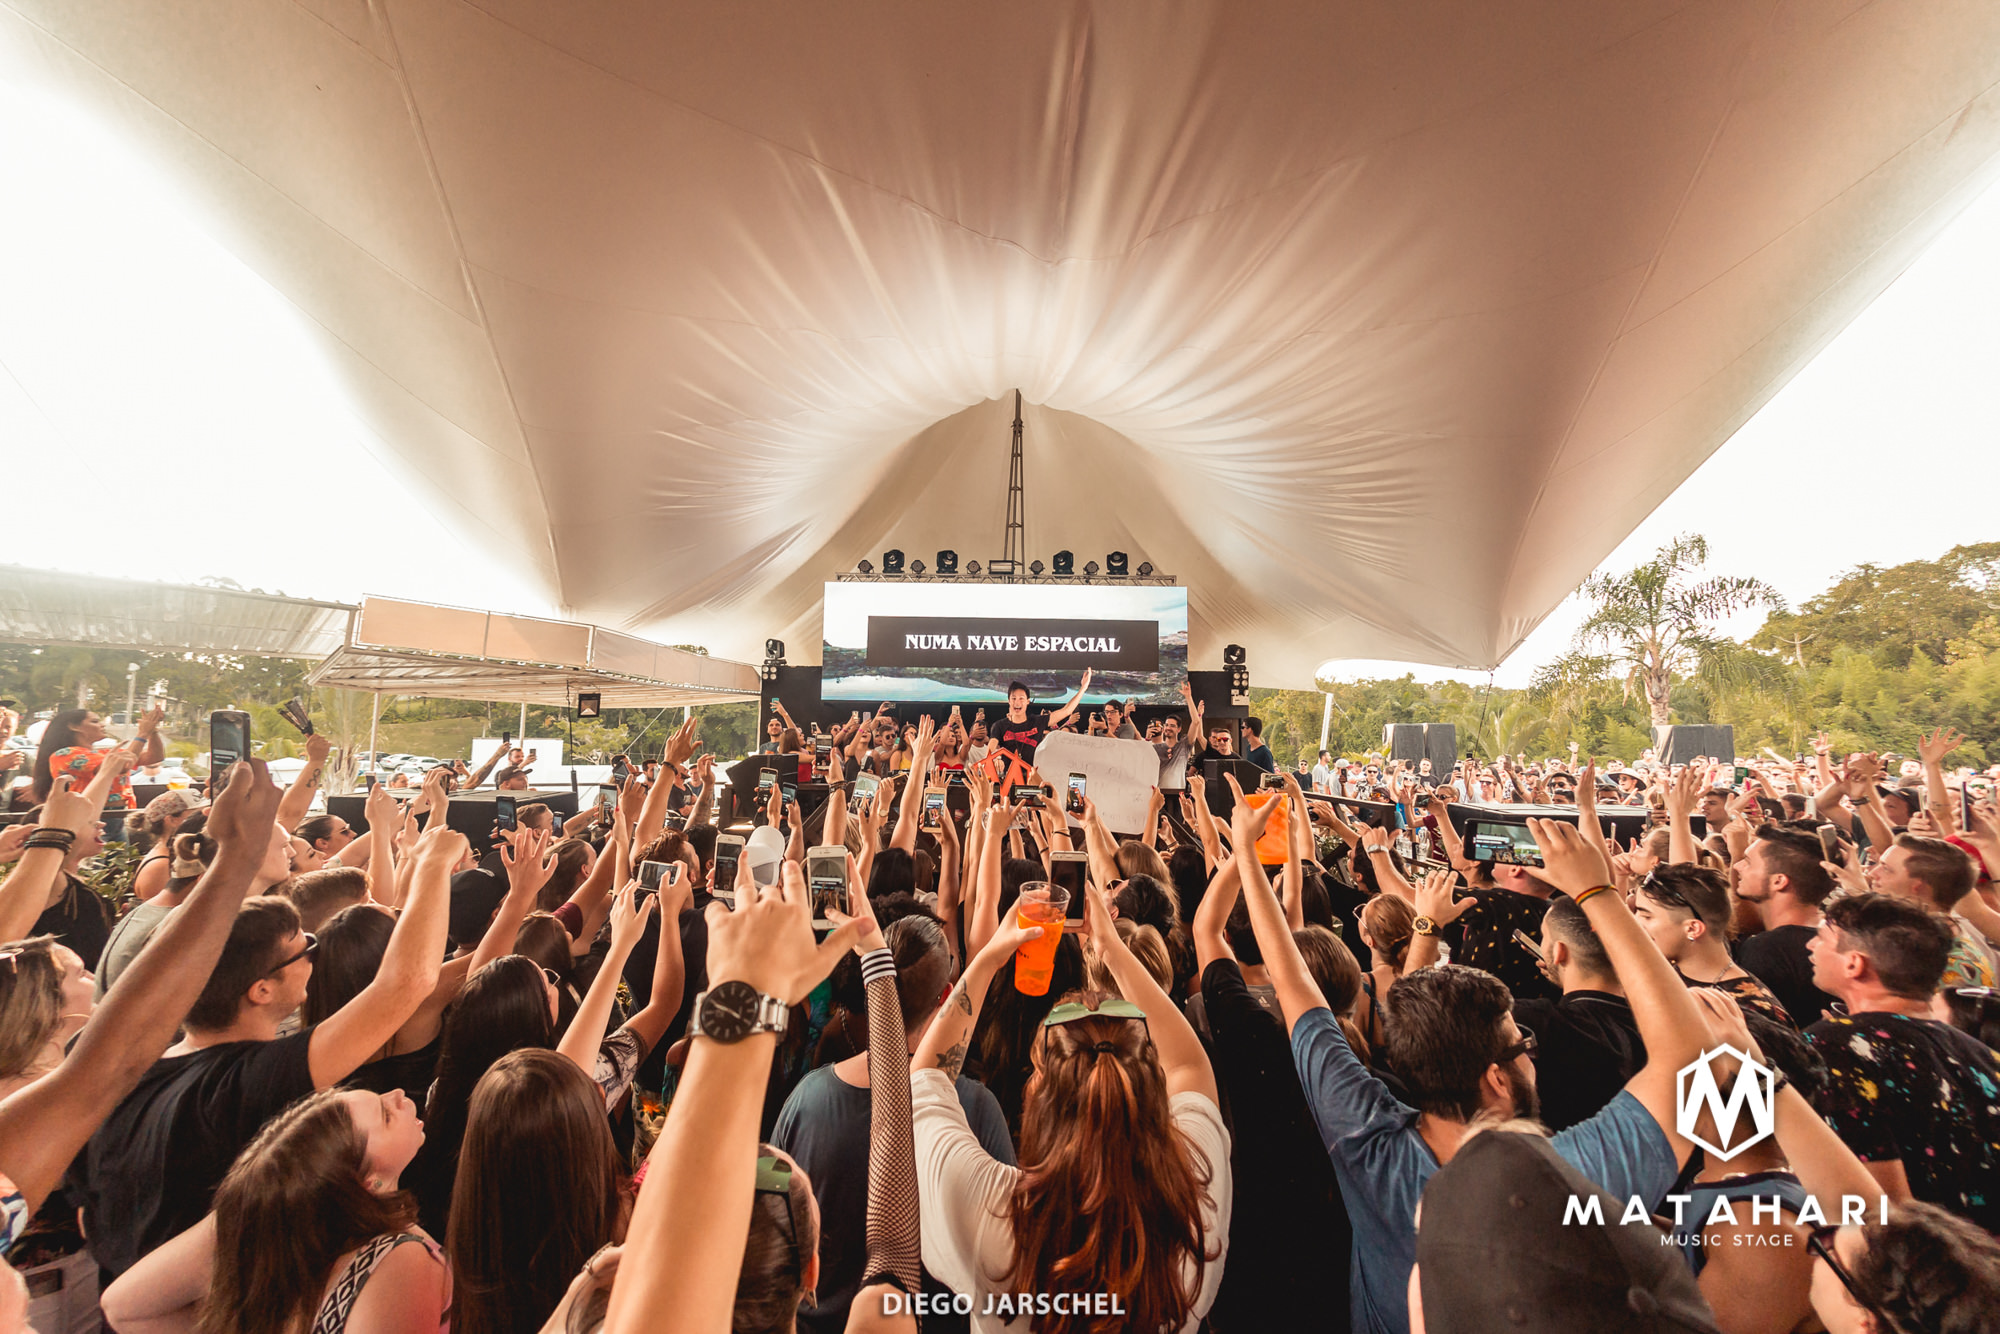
1041	904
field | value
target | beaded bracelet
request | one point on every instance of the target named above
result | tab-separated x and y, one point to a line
1584	897
63	839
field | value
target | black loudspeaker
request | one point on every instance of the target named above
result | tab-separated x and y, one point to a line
1680	744
1440	748
1220	799
1403	741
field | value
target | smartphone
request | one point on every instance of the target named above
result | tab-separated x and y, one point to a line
1965	809
1028	796
864	787
506	741
1530	944
954	778
367	781
826	881
728	851
621	770
1742	772
503	813
765	778
1271	780
1503	844
791	791
1074	805
228	741
933	820
1829	842
654	875
1068	870
607	798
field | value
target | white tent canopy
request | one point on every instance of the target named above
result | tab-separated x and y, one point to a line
54	607
1378	325
414	648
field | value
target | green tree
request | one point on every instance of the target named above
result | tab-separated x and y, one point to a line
1920	606
1653	625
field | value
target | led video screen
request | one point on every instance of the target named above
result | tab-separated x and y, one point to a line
966	642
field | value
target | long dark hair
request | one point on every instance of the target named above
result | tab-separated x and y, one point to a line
1009	1023
538	1191
503	1007
349	954
294	1203
58	735
1109	1196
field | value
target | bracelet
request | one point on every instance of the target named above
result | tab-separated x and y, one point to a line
50	837
1584	897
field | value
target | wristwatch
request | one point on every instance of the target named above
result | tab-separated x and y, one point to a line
1424	926
732	1011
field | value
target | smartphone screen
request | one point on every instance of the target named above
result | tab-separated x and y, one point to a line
728	851
1067	869
228	741
1077	784
652	875
765	779
933	809
503	812
791	791
1965	809
1504	844
1742	772
1829	842
607	798
1530	944
954	778
826	880
1271	780
864	787
620	770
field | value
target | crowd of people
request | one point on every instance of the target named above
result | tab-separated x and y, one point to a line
673	1064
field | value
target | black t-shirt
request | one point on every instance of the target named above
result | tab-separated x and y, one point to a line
1587	1047
825	1126
80	919
1780	958
1483	937
410	1071
1289	1233
150	1171
1917	1091
1021	738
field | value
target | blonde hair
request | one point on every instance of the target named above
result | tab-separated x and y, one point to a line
1147	946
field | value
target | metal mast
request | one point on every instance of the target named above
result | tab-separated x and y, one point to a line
1016	556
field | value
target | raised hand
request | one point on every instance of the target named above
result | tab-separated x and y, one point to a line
768	940
628	918
869	931
1436	897
1247	822
1933	748
527	860
245	809
441	844
1570	861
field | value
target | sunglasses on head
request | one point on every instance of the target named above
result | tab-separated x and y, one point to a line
1070	1012
774	1177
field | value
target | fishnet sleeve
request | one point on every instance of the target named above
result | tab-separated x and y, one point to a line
895	1239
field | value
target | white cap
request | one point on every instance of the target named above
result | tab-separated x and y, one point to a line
762	854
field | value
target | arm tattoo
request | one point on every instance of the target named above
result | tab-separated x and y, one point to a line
964	997
953	1061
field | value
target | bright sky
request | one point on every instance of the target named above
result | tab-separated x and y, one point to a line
179	403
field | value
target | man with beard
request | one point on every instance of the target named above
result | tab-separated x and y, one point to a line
1453	1040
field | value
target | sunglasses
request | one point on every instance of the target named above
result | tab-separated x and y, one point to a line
1525	1047
774	1177
312	947
1070	1012
1820	1242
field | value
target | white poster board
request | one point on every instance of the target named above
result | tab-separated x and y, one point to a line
548	770
1119	775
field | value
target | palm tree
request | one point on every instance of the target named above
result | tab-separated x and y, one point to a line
1656	623
1509	730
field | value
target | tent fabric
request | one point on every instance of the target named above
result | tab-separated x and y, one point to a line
415	648
53	607
1379	325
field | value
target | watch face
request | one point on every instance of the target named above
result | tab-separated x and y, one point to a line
1424	926
729	1012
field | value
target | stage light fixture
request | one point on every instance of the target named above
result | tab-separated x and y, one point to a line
1234	656
917	565
1239	685
1065	562
774	648
769	671
947	562
589	706
1035	568
972	568
892	561
1145	569
1090	567
1115	565
866	566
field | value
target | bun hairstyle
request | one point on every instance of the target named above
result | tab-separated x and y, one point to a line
1109	1194
1391	923
192	855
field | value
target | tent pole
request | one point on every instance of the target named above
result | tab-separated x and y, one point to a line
1325	724
374	717
523	733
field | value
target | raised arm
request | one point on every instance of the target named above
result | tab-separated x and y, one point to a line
1298	994
528	868
1931	750
585	1033
911	814
704	799
379	809
298	797
1182	1059
1670	1023
479	775
44	1125
1682	794
1211	919
1074	700
669	969
949	1036
24	895
408	973
684	1250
